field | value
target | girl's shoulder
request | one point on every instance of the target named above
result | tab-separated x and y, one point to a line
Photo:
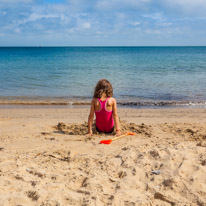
95	101
111	100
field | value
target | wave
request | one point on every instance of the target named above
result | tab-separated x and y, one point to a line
164	103
83	101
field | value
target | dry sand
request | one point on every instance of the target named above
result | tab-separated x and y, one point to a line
49	165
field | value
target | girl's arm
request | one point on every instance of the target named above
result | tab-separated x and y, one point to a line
90	119
116	118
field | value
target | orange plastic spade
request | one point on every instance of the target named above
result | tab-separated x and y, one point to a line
109	141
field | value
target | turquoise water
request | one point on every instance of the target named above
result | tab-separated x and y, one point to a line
136	73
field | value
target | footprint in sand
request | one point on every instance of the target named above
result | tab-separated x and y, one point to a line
33	195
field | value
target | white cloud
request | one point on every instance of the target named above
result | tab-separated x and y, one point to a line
197	7
80	26
71	31
136	23
86	25
99	33
39	26
103	18
163	24
152	31
187	3
155	16
121	4
17	30
35	17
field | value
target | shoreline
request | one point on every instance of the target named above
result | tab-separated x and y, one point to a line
58	102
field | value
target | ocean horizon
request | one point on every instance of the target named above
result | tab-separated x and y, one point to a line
140	75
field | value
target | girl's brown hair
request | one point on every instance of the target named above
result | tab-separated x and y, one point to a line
102	86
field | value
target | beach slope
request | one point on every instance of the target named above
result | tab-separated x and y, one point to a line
43	164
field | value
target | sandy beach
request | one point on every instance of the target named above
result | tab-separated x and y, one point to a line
44	164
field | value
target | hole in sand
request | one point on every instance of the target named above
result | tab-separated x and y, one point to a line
82	129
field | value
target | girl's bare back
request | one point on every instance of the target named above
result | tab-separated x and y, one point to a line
109	103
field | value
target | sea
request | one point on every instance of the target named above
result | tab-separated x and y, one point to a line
140	76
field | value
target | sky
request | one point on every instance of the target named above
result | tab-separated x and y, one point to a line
102	23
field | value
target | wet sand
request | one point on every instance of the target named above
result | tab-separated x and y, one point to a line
45	158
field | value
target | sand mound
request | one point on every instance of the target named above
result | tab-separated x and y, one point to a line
82	129
191	132
73	129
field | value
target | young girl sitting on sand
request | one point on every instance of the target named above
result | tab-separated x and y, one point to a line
105	108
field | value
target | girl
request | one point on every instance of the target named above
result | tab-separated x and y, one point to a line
105	108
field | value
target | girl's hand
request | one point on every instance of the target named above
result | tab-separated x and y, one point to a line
89	135
118	133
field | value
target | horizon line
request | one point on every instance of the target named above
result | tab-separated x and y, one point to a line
107	46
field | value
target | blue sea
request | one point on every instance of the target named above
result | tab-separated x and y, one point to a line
138	74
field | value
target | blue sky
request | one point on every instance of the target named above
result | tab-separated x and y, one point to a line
102	22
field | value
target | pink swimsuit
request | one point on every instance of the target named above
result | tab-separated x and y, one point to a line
104	118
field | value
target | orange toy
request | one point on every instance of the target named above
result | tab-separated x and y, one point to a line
109	141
